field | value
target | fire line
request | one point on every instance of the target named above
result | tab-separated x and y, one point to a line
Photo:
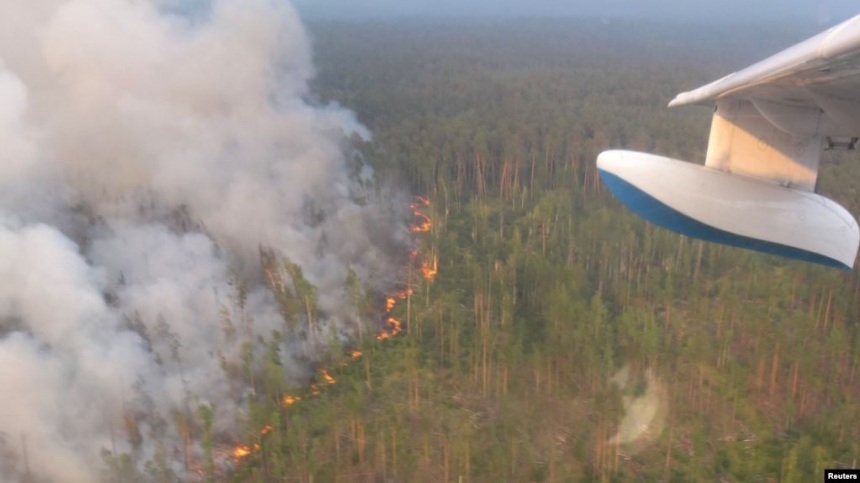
392	325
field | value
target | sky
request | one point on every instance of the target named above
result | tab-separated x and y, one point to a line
816	11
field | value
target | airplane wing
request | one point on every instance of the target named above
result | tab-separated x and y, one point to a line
756	189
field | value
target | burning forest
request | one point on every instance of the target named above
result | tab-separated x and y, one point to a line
178	224
392	327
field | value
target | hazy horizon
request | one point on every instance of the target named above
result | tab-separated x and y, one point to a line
816	12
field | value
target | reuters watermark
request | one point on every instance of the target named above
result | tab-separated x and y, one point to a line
841	475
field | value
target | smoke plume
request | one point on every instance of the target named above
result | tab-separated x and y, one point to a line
645	405
152	153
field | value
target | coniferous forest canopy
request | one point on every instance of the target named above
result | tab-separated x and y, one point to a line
562	339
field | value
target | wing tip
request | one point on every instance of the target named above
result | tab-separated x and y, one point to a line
690	97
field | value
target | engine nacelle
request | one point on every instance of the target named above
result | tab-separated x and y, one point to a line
716	206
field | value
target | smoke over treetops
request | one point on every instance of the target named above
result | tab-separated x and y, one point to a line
156	168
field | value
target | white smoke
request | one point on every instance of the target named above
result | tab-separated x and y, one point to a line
645	407
148	150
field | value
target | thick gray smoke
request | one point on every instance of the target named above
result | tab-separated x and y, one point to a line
149	158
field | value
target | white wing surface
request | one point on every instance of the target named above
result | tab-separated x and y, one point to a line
826	67
756	188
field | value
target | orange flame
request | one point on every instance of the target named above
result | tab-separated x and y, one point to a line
428	271
243	451
423	221
393	325
423	225
328	377
419	201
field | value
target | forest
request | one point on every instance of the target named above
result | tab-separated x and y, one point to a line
542	332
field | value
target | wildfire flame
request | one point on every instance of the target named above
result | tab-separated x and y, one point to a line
419	201
428	270
393	326
424	224
328	377
423	221
243	451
